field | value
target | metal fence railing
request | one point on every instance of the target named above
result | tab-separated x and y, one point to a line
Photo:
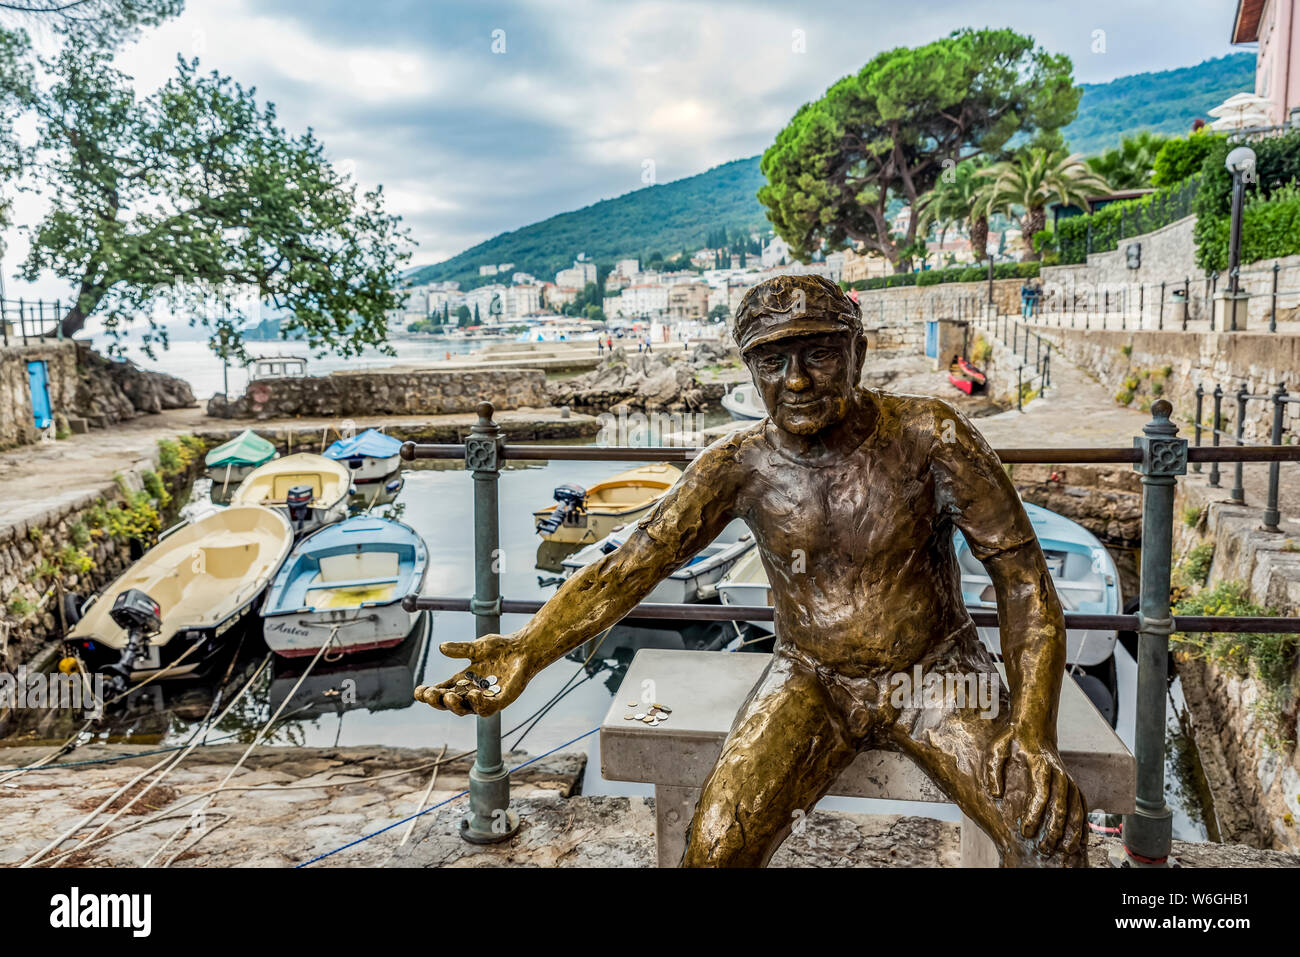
1268	296
1159	455
1278	399
30	320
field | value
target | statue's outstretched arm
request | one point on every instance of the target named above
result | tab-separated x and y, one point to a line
688	517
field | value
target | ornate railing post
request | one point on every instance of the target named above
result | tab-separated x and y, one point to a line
1214	437
1272	515
490	820
1148	831
1238	493
1200	401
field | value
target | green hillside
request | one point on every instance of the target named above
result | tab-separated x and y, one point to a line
665	218
680	214
1166	102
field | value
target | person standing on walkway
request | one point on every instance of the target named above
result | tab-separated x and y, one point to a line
649	345
600	348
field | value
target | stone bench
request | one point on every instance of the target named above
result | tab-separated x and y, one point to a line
706	689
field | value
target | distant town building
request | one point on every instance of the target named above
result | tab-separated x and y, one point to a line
627	268
520	301
523	279
775	253
858	266
556	296
578	275
639	299
1272	25
688	300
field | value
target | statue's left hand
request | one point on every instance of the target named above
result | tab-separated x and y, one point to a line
1055	805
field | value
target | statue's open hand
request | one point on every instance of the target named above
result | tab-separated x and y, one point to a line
1054	810
492	656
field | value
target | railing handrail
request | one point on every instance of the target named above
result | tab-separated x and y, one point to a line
677	453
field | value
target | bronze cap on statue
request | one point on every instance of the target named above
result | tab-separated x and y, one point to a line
786	306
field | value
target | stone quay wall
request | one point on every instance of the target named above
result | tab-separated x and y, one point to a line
397	392
1261	777
68	548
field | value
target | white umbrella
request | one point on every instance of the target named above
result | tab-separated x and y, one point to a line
1240	121
1240	105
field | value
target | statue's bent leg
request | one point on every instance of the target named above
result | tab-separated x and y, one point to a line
785	750
950	741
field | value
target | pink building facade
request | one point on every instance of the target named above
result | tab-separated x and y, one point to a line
1272	25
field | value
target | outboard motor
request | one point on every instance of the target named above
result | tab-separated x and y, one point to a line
298	501
572	498
139	616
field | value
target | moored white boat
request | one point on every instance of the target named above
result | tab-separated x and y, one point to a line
310	490
370	455
204	580
231	462
697	580
343	586
588	515
744	403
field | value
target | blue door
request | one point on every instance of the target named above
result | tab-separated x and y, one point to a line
38	377
932	339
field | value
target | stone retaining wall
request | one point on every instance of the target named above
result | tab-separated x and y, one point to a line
38	563
1267	778
1229	359
406	392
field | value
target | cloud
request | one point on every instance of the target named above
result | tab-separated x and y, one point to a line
469	142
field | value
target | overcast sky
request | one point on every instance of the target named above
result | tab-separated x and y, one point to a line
469	142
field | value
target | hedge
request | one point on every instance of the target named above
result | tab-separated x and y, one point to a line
935	277
1264	230
1269	229
1112	224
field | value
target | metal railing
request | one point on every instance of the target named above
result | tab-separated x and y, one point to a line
1019	333
1279	398
1158	454
1173	304
30	321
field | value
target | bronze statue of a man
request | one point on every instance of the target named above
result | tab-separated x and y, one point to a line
851	495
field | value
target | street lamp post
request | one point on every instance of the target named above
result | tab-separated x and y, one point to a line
1241	164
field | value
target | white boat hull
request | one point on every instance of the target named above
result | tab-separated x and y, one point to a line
353	630
373	470
744	404
691	583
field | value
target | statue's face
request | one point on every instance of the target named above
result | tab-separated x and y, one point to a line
806	382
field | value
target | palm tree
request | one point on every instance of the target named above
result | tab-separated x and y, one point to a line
1131	164
957	198
1033	178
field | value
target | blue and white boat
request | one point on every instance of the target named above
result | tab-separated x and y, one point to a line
343	586
371	455
1082	571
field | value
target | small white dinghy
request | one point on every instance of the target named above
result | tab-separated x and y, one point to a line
697	580
310	490
372	457
343	585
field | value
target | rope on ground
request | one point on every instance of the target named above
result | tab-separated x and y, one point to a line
257	739
86	821
321	857
423	800
208	722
